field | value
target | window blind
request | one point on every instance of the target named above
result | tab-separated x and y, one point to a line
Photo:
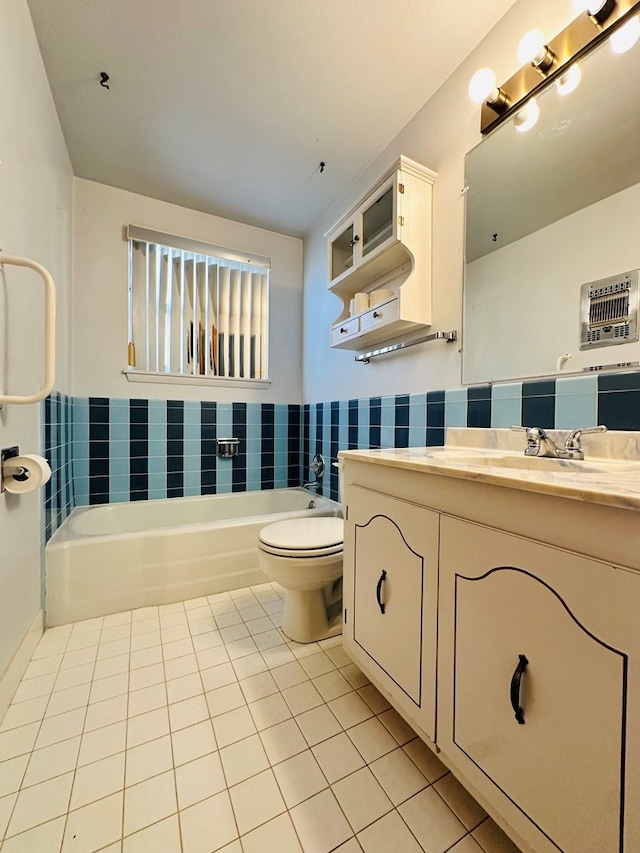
196	309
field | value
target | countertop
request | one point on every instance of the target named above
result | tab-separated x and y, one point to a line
609	474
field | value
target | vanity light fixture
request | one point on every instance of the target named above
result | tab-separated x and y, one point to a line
527	116
532	48
570	80
482	88
625	38
598	10
544	61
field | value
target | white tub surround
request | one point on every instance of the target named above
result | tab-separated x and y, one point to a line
493	597
117	557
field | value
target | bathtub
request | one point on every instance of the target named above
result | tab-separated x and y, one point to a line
114	557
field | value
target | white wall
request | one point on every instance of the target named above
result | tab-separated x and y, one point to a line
523	301
35	216
100	294
438	136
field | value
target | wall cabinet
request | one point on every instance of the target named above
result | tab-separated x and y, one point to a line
538	660
384	243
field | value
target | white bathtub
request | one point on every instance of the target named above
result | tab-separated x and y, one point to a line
114	557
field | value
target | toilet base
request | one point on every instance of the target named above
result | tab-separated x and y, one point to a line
305	617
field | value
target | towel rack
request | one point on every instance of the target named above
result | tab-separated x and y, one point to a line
49	330
449	337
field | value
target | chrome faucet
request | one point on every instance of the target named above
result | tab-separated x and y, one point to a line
540	444
317	467
573	446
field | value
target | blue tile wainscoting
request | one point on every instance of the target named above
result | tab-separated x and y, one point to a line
57	447
146	449
105	450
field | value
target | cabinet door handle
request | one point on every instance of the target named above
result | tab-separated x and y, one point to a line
376	314
343	331
381	580
355	240
514	692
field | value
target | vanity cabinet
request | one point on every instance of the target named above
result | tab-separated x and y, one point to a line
533	681
391	598
535	700
384	243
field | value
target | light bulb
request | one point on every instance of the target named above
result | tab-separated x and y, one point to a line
531	47
625	38
527	116
481	85
600	10
569	81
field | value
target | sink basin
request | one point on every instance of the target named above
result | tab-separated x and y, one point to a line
457	454
491	459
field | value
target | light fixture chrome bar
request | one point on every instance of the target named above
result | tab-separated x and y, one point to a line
579	37
449	337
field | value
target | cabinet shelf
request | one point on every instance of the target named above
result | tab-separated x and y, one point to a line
384	241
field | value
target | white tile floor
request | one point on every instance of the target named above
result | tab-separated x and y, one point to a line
198	727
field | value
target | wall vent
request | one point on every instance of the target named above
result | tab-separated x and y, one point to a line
609	311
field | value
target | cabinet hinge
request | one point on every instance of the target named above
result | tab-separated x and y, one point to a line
401	188
401	220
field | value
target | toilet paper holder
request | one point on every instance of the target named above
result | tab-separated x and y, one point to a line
9	470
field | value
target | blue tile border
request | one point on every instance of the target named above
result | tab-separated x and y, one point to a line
106	450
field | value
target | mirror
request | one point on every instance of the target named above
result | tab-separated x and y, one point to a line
547	211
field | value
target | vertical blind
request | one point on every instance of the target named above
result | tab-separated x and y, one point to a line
196	309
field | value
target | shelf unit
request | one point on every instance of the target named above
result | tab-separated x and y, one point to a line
384	242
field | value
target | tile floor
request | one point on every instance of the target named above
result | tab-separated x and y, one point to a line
198	727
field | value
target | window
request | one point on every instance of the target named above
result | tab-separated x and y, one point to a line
196	309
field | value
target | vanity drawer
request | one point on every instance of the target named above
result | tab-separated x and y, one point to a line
381	315
345	330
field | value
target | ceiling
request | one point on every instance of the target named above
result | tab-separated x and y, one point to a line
229	106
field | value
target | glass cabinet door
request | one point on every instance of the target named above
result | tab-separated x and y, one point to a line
378	220
342	252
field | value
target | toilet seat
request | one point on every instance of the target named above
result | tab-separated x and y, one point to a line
303	537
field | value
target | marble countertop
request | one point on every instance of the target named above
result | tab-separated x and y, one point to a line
609	474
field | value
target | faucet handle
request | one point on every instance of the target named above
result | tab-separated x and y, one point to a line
538	442
584	430
530	431
573	445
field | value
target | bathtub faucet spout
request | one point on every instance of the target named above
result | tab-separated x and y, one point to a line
317	467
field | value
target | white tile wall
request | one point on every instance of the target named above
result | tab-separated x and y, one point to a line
199	727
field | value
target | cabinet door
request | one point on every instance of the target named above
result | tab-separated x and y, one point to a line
393	548
342	248
552	745
380	217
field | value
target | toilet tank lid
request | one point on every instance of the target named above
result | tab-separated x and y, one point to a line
304	533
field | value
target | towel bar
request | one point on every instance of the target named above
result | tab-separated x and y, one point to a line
449	337
49	331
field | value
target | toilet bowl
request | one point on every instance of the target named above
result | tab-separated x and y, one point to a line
304	555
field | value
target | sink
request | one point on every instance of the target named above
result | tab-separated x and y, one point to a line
512	461
457	454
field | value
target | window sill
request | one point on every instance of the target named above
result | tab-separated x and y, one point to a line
190	379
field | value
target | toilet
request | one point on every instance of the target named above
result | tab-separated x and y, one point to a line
304	555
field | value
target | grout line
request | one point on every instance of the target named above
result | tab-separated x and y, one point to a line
279	691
